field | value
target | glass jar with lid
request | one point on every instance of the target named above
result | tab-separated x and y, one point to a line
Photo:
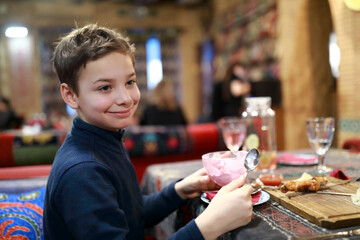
261	130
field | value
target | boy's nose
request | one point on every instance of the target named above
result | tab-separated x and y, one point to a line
123	98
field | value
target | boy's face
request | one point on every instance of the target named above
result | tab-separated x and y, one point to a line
108	94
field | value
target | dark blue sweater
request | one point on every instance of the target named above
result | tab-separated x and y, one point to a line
93	193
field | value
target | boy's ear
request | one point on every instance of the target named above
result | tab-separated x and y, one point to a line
68	96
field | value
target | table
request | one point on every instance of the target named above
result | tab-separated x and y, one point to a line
270	220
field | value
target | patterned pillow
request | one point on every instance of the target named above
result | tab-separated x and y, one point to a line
156	140
21	215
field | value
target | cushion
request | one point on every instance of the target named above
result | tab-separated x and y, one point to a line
22	172
156	140
205	137
17	186
17	149
6	150
352	144
21	215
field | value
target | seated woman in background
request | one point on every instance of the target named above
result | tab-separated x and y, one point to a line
229	94
163	108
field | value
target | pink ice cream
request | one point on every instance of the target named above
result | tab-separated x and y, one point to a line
222	168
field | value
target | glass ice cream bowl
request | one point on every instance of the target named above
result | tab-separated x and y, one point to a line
224	166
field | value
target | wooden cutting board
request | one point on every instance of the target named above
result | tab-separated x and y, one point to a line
325	210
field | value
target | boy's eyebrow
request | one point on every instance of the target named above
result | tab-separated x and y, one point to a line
132	74
102	80
110	79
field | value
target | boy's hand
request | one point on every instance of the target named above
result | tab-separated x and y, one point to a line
194	184
229	209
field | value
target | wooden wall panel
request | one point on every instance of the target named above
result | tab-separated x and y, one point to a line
307	86
347	25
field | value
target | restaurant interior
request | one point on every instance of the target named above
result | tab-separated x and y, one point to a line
303	54
284	43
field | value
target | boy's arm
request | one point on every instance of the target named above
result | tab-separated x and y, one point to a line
218	217
159	205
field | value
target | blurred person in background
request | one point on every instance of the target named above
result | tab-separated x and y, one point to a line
8	118
229	94
163	108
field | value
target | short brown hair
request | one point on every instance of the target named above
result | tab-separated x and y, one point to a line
85	44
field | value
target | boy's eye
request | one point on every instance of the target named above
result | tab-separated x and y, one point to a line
131	82
104	88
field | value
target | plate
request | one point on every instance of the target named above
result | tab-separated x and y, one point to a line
264	197
297	159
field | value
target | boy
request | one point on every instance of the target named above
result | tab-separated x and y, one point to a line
92	190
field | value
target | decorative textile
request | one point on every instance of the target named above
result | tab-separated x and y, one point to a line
156	140
286	223
17	149
21	215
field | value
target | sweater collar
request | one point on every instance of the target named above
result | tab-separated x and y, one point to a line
98	133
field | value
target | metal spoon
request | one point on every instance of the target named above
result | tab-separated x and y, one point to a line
251	160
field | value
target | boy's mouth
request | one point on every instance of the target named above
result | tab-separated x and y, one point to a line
121	114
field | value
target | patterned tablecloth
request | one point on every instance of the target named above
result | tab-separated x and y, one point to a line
270	220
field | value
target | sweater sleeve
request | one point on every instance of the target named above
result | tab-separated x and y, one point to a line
159	205
190	232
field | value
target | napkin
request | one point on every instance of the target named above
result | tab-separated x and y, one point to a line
255	197
288	158
210	195
337	173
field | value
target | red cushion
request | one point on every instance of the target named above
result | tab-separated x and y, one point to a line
352	145
6	150
205	137
25	172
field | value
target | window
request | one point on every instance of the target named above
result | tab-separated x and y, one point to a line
153	62
334	55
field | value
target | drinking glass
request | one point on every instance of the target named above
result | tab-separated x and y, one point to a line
234	132
320	132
